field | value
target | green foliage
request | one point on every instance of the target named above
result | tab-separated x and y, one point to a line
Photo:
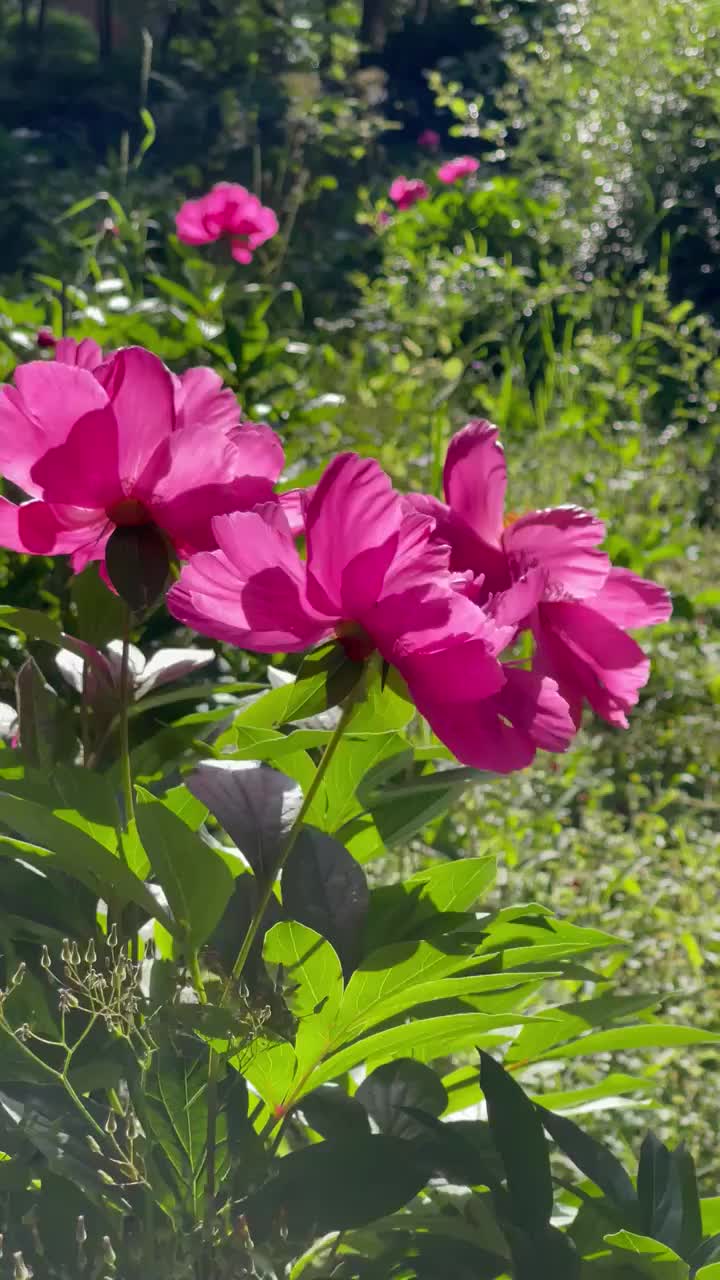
209	1068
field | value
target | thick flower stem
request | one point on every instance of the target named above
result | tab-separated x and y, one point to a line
125	698
291	841
252	932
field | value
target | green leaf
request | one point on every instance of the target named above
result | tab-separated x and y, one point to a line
426	1039
100	613
351	761
651	1035
45	725
325	678
32	623
338	1185
254	804
270	1067
649	1257
593	1159
324	888
195	878
404	808
75	852
314	985
333	1114
518	1135
660	1192
394	1087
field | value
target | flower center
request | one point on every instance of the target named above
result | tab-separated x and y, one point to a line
355	640
128	511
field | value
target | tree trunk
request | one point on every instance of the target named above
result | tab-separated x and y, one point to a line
104	27
373	30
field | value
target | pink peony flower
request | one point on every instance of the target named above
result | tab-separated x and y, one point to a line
430	139
125	443
578	607
85	354
377	578
228	210
458	168
405	192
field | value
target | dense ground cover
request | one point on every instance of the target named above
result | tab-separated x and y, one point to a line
566	289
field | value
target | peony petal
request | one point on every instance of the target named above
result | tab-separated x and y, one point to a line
85	354
47	529
39	412
142	398
83	470
352	522
202	399
475	479
251	591
468	551
630	601
590	658
534	706
197	475
563	541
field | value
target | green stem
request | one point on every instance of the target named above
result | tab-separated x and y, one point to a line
125	696
291	841
255	924
195	974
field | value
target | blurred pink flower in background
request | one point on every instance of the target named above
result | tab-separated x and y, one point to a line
461	167
125	443
45	338
405	192
429	139
228	210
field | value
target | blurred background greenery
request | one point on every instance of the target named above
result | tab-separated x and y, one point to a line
568	291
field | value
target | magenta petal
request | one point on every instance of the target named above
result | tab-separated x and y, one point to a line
58	530
83	470
85	354
39	412
352	521
534	706
590	657
9	531
294	504
201	398
199	473
251	591
475	479
142	397
630	601
468	551
462	672
241	253
563	541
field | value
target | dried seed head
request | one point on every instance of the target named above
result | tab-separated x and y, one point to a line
112	939
66	952
45	961
80	1230
19	974
111	1123
90	954
75	954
